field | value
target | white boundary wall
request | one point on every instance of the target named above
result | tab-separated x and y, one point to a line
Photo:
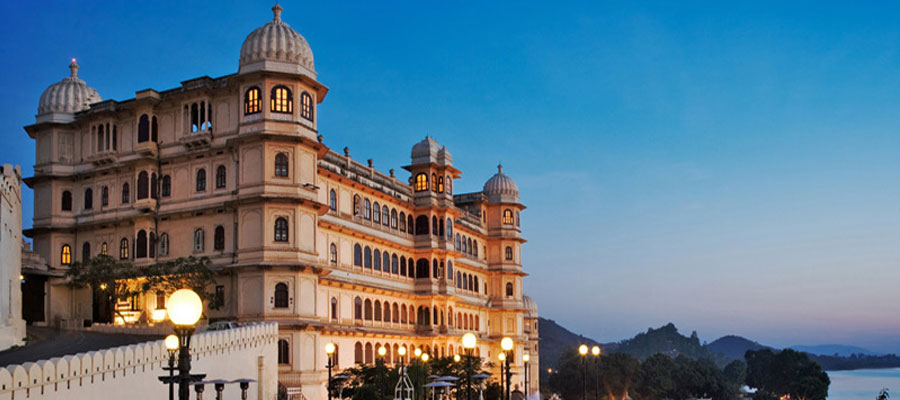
132	371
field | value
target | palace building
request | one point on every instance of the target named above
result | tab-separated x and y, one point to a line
234	169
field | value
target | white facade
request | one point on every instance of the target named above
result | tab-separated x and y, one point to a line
12	326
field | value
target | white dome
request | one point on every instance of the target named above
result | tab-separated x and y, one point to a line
66	97
501	187
429	151
276	47
531	310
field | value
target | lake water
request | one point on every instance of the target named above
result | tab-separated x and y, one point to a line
863	383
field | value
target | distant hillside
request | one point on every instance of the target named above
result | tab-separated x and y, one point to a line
555	339
668	341
832	349
734	347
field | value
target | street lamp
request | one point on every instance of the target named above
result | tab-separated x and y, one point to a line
171	343
381	352
468	341
507	345
502	357
583	350
525	359
596	352
456	358
329	350
425	358
185	309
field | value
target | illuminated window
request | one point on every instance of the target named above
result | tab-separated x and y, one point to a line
508	217
104	249
252	101
66	255
282	100
440	184
306	106
123	249
421	182
281	165
281	230
434	182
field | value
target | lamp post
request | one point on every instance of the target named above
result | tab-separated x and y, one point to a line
468	341
502	358
596	352
329	350
425	358
507	345
381	352
583	350
525	359
418	354
185	309
172	347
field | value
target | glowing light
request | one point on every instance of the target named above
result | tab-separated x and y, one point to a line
425	357
171	342
501	356
158	314
185	307
526	357
469	340
401	351
417	352
506	344
583	349
102	286
457	358
595	350
329	348
382	351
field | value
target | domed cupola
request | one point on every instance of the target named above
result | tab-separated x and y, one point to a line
501	188
63	99
276	47
531	309
426	151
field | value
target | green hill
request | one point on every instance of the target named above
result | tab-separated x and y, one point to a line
555	339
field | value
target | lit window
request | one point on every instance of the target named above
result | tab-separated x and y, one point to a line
252	101
123	249
421	182
66	255
104	248
508	217
306	106
282	101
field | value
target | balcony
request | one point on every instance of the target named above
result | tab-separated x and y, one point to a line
196	140
104	157
147	149
145	204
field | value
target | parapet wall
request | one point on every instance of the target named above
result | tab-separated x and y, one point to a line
134	370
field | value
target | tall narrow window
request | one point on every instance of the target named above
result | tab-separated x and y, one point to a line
219	300
199	241
104	196
281	295
367	210
164	244
88	199
283	352
440	184
219	238
385	216
220	177
140	244
252	101
66	200
332	254
281	230
357	205
393	218
509	289
376	215
65	256
282	100
201	180
357	309
306	106
85	251
143	128
334	313
104	249
125	193
517	219
509	253
508	217
357	255
332	200
421	182
154	186
152	245
154	130
123	249
166	186
281	165
143	184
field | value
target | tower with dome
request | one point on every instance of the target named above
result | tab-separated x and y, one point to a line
235	169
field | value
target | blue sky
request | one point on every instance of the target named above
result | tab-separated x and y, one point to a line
728	168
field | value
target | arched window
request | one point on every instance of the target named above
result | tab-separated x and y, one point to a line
376	215
434	225
85	251
517	219
166	186
164	244
357	205
143	128
394	218
199	242
509	289
219	238
367	309
458	280
104	249
143	185
475	248
395	313
411	267
283	352
152	246
140	244
440	184
154	191
385	216
67	200
357	255
421	225
409	224
508	217
449	229
332	200
281	229
65	255
281	165
434	182
435	273
306	106
421	182
377	260
475	284
357	309
369	353
220	177
332	254
422	268
252	101
395	268
154	130
104	196
377	310
367	257
126	195
464	245
449	185
450	270
334	312
509	253
201	180
402	266
470	246
88	199
367	209
282	100
281	295
386	262
358	353
123	249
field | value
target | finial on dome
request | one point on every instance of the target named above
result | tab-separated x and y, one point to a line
74	68
500	168
276	9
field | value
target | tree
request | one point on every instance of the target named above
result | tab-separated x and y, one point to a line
883	394
655	379
617	372
786	373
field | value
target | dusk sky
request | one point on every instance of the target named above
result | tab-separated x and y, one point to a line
731	169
